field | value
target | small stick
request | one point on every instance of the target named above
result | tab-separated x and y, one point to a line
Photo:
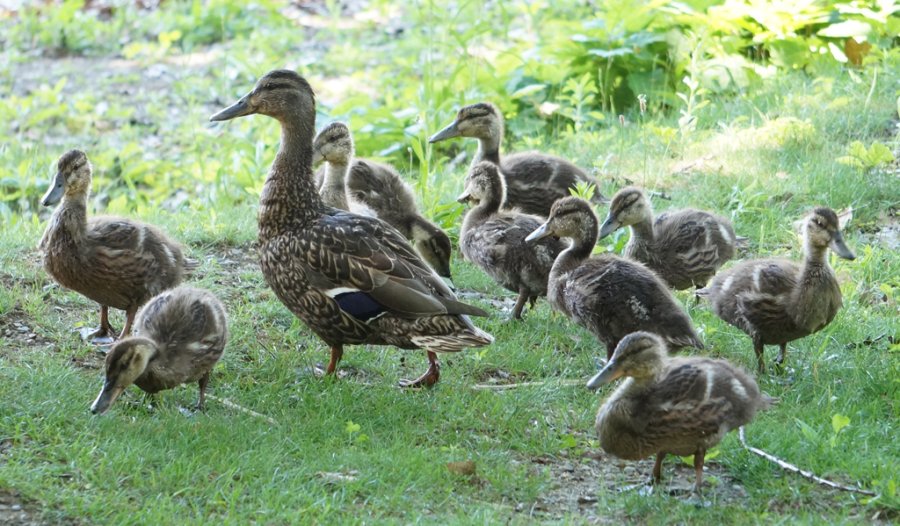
790	467
504	387
231	405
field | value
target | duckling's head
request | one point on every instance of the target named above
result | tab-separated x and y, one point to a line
821	230
333	144
73	178
482	121
483	183
639	355
435	248
281	94
125	362
570	217
628	207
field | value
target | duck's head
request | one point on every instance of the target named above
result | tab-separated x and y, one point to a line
73	177
280	94
126	361
628	207
570	217
333	144
482	121
483	183
821	230
435	248
639	355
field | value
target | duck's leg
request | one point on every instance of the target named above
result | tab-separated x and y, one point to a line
337	352
520	305
657	468
105	334
779	360
431	376
129	320
203	382
759	348
699	457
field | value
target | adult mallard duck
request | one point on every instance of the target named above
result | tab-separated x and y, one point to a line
684	247
114	261
495	240
608	295
533	180
180	335
377	189
352	279
777	301
679	406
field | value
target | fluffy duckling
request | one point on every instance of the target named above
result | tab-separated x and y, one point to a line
533	180
678	406
684	247
606	294
378	190
114	261
495	240
352	279
776	301
181	334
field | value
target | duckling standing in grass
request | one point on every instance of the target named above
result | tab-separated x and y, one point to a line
351	279
495	240
776	301
684	247
181	334
114	261
376	189
533	180
608	295
678	406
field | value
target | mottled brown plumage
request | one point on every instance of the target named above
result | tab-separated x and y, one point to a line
533	180
376	189
684	247
606	294
494	239
776	301
352	279
679	406
179	336
117	262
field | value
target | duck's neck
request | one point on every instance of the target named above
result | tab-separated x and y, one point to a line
289	198
334	191
483	210
69	221
578	251
642	236
817	295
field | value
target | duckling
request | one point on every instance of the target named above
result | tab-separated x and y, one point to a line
684	247
533	180
351	279
495	240
678	406
181	334
606	294
114	261
376	189
777	301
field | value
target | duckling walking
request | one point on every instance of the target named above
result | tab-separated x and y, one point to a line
495	240
351	279
678	406
114	261
777	301
180	336
608	295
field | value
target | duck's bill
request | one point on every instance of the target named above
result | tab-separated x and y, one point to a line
56	190
238	109
105	399
605	376
609	226
449	132
464	197
539	233
840	248
317	157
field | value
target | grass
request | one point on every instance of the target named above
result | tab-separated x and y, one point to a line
358	449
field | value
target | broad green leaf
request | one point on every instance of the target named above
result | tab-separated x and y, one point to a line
839	422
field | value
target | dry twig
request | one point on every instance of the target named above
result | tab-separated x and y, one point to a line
504	387
231	405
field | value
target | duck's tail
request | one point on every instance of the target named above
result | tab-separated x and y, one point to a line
741	242
465	335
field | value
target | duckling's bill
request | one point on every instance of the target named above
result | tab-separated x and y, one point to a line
840	248
609	226
238	109
449	132
107	396
539	233
55	192
606	375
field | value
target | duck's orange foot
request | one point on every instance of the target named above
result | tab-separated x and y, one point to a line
431	376
102	336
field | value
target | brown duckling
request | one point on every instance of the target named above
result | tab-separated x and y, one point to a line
776	301
533	180
114	261
378	190
494	239
684	247
606	294
678	406
351	279
180	335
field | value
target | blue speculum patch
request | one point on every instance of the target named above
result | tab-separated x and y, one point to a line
360	305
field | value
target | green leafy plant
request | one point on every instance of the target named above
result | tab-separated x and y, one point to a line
859	156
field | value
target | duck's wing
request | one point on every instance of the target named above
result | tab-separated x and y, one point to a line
691	237
762	300
359	260
681	408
